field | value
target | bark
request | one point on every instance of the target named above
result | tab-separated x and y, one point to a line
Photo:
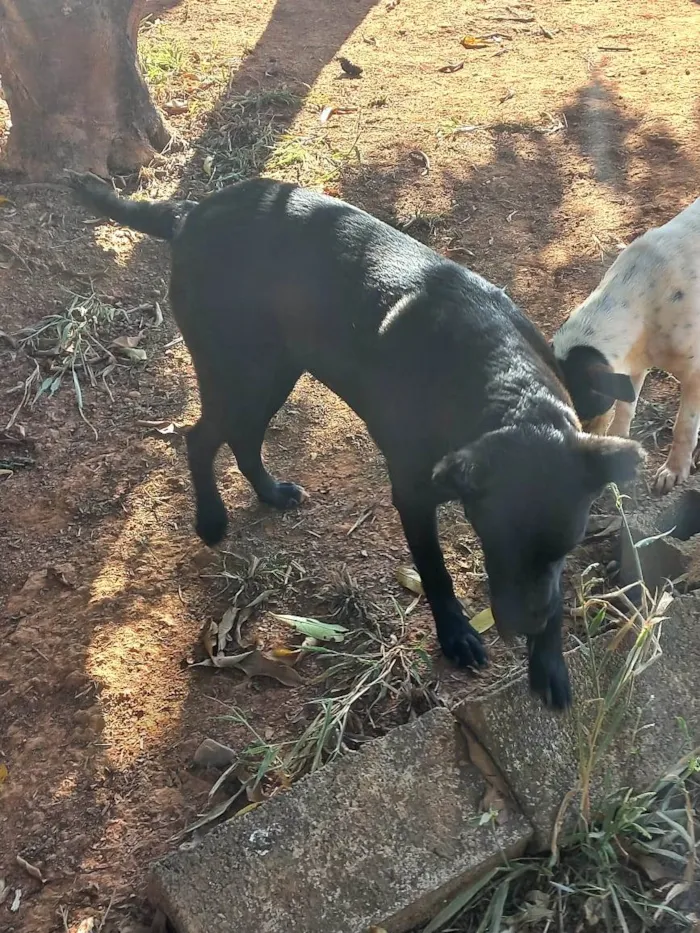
72	82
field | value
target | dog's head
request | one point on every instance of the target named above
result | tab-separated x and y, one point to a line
527	491
593	386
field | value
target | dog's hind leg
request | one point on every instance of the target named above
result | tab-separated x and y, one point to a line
237	414
685	437
203	442
245	430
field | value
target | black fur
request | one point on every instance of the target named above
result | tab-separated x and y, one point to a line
458	389
160	219
593	386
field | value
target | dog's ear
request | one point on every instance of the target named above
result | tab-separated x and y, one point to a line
457	475
612	385
610	459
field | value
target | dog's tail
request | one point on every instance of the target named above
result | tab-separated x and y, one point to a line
161	219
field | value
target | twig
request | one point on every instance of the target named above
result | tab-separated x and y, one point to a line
614	48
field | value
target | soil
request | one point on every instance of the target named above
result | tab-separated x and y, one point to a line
569	133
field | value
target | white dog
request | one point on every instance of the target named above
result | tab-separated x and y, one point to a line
645	313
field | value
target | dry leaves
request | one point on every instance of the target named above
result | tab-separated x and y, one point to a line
256	663
162	427
128	347
88	925
410	580
313	628
451	68
176	106
30	869
329	112
482	621
476	42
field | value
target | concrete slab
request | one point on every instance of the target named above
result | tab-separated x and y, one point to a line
677	554
539	753
381	837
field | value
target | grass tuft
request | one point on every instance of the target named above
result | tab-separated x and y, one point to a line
68	347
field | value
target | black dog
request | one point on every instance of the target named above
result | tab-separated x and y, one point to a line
458	389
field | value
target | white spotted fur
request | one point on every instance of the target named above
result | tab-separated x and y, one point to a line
634	321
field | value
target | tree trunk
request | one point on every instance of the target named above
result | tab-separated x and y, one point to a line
72	82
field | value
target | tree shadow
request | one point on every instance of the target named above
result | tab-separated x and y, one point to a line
508	218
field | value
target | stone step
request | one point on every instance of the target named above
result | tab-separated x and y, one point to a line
381	837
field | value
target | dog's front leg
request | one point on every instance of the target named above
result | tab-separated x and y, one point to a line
685	437
624	411
549	678
460	643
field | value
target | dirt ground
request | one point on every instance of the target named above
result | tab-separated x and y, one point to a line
571	132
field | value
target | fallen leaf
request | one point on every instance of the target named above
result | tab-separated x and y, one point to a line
256	664
536	911
134	353
4	891
287	655
86	926
157	315
126	342
14	906
4	773
208	636
243	617
4	200
475	42
176	106
328	112
410	580
224	628
451	68
249	808
465	128
420	158
594	910
392	4
482	621
602	526
30	869
208	165
162	427
323	631
651	867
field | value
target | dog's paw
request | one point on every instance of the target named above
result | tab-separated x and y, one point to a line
460	643
549	679
211	525
284	496
671	474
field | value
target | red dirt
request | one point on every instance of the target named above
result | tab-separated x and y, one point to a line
569	150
